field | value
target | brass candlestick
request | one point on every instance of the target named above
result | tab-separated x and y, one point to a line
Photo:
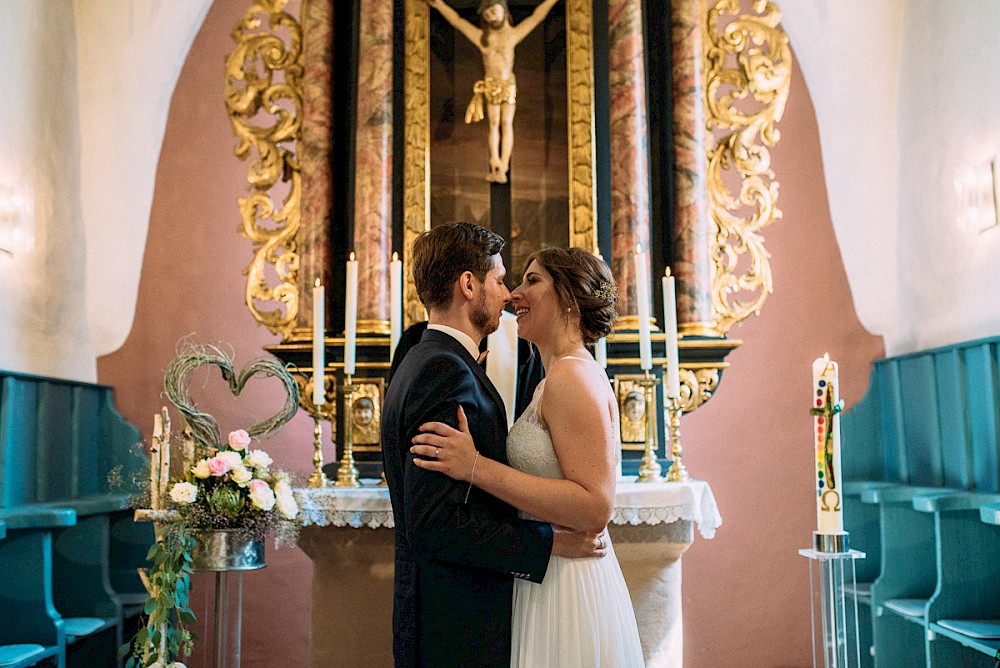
676	472
347	474
318	478
649	470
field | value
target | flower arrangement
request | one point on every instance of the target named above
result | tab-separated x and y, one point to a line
223	486
234	488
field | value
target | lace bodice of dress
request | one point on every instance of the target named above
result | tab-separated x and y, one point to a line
529	446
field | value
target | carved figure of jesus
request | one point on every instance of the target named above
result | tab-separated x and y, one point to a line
497	91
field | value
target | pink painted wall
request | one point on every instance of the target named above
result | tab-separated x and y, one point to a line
745	592
192	284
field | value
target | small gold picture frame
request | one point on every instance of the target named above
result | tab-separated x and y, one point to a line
366	414
632	412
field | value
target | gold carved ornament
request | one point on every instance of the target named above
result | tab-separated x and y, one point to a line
748	73
263	92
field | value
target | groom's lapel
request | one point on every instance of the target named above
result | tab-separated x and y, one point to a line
480	373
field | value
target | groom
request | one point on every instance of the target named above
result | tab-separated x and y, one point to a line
457	548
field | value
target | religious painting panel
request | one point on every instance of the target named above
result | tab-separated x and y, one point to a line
366	414
632	411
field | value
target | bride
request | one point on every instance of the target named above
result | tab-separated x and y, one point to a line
563	454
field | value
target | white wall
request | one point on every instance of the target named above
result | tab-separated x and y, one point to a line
906	96
130	55
43	328
87	88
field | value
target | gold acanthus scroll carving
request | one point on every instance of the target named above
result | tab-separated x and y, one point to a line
748	72
263	92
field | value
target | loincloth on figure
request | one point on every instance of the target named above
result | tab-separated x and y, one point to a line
490	91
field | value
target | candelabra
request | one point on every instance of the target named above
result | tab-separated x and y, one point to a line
677	472
649	470
317	479
347	474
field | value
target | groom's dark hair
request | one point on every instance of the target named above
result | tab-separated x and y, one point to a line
445	252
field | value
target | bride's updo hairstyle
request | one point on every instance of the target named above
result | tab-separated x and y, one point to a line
585	286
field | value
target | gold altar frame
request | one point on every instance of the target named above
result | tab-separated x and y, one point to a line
416	139
633	430
367	436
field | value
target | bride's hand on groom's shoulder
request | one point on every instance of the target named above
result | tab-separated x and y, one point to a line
441	447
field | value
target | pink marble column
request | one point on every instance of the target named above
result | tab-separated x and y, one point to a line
373	164
692	242
314	154
629	148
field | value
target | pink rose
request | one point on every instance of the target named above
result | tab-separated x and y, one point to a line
218	466
239	439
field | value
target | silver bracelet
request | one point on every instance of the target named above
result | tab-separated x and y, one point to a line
472	477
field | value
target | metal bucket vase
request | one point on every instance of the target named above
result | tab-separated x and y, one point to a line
226	550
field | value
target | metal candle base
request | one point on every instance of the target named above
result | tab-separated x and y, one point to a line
830	543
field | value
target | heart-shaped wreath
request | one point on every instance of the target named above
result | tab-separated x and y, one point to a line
203	426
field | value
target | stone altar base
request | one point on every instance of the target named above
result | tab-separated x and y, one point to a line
352	591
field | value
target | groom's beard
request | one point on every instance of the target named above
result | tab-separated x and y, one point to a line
482	319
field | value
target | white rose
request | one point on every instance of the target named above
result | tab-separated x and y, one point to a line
286	505
259	459
183	492
261	495
233	459
201	469
240	475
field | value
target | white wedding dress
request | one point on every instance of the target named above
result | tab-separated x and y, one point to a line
580	616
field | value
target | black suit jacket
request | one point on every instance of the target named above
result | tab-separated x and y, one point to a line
457	552
529	364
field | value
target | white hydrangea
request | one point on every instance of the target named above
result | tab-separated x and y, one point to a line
183	492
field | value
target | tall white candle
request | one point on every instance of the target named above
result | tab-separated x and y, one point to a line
826	435
601	352
670	332
351	317
395	304
319	344
642	299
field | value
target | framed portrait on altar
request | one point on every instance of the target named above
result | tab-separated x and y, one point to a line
547	197
366	414
632	412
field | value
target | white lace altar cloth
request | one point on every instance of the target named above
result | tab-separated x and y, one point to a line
635	503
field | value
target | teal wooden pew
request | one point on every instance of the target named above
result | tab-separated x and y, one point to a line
31	629
968	574
62	443
926	434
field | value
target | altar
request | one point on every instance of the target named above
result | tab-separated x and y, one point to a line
347	532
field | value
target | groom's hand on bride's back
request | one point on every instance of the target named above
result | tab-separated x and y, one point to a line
578	544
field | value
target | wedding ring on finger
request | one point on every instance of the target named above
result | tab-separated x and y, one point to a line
437	453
